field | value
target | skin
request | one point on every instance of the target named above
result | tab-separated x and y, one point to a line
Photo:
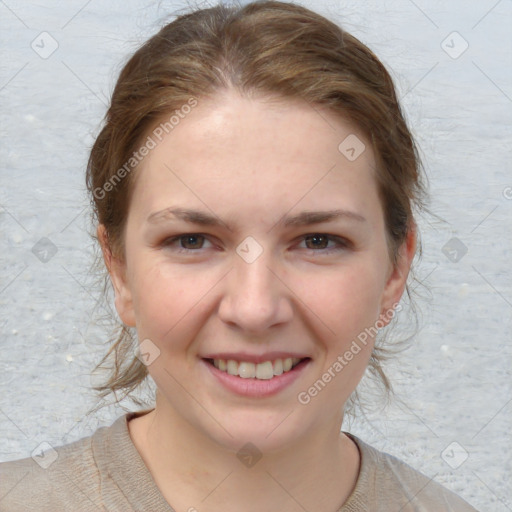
249	162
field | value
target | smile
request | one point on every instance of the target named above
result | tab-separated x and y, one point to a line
265	370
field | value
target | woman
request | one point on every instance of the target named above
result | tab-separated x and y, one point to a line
254	186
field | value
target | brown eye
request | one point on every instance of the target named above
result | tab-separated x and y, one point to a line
185	243
191	241
317	241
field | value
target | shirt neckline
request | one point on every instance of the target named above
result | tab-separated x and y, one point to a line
118	458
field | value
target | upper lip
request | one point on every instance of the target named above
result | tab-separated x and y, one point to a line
253	358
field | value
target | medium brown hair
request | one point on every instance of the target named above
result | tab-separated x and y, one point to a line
272	48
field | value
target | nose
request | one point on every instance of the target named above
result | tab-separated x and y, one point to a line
255	297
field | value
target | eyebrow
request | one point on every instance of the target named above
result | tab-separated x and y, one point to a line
202	218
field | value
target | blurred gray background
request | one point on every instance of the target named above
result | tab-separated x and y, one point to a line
452	63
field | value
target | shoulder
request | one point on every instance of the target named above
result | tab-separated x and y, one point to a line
97	473
62	478
386	483
48	478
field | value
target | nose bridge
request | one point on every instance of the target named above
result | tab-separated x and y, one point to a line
253	278
254	298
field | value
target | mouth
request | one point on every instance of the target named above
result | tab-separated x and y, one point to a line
265	370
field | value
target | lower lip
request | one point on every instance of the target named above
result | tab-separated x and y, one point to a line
258	388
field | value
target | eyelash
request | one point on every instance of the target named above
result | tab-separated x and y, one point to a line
343	244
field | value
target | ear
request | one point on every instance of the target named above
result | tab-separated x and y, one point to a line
117	271
397	279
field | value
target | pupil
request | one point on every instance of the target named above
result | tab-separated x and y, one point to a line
190	240
316	238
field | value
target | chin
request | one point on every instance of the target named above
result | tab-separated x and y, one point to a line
262	431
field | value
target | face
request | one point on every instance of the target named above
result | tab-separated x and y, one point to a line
227	259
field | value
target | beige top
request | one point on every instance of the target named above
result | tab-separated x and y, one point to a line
104	472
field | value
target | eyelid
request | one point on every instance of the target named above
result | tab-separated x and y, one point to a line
342	242
176	238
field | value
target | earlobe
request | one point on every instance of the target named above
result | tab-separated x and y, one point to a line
117	271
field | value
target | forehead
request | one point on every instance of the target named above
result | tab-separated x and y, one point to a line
256	152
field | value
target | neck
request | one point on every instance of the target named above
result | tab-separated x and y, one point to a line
193	472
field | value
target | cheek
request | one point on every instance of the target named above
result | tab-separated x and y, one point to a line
348	300
351	305
167	302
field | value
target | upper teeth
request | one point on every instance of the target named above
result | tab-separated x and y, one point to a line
265	370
